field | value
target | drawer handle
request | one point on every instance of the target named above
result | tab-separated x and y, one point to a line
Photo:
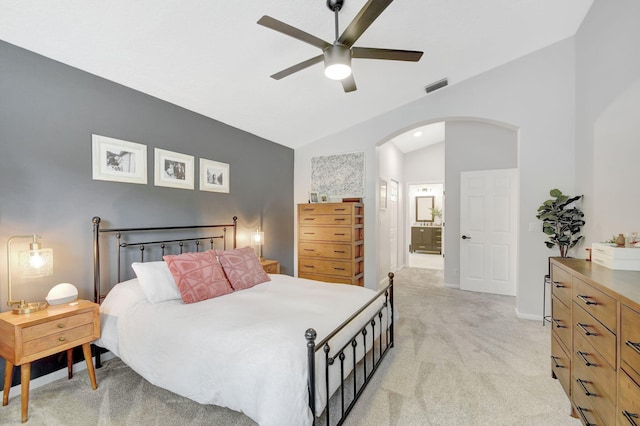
584	387
557	323
586	300
583	355
584	416
555	361
309	266
339	251
309	250
61	339
630	416
340	235
309	218
60	325
339	219
339	269
558	285
339	210
309	233
632	345
583	327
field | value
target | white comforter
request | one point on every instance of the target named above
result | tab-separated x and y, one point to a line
245	350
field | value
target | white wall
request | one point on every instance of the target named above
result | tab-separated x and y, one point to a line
607	118
534	94
389	167
425	165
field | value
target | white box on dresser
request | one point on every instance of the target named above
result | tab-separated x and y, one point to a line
613	257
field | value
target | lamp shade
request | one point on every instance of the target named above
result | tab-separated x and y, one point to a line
35	263
257	238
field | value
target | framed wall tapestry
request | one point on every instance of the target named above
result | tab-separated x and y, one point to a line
338	176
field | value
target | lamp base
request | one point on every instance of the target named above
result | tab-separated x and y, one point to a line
23	307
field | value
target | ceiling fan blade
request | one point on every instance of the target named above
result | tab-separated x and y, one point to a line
369	12
388	54
297	67
294	32
349	84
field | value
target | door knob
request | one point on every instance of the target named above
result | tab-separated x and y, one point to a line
464	237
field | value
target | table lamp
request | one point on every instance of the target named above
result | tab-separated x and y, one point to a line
257	239
33	263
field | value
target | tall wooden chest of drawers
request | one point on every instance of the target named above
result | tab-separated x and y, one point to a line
595	342
331	242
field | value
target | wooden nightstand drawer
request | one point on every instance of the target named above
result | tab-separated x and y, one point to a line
270	266
36	331
52	342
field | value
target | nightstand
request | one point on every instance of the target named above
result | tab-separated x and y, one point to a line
30	337
270	266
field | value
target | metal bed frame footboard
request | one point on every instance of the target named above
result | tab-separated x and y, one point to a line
385	342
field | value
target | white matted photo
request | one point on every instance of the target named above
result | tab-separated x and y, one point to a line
118	161
214	176
173	169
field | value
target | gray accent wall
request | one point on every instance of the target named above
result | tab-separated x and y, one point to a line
48	112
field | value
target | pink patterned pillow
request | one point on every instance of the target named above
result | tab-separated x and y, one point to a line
242	267
199	276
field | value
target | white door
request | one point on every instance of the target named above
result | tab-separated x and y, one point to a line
393	225
488	231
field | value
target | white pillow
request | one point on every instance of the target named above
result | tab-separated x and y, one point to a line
156	281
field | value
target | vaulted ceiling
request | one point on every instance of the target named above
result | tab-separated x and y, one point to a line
212	58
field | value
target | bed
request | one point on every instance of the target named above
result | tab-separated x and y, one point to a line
274	350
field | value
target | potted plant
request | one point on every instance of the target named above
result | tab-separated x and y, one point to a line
436	212
561	221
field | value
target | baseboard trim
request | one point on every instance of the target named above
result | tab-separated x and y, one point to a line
57	375
530	317
456	286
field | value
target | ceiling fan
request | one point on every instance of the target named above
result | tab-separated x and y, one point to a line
337	56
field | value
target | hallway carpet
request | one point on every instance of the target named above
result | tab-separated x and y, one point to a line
460	359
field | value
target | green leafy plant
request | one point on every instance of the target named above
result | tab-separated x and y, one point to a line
561	221
436	212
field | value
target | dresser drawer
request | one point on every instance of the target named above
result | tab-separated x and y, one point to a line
328	233
561	284
598	304
329	267
594	378
561	321
327	219
630	338
51	327
334	279
334	251
595	333
628	400
71	337
561	365
585	411
317	209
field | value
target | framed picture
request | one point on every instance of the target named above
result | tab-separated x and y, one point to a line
313	197
118	161
173	169
324	198
383	194
214	176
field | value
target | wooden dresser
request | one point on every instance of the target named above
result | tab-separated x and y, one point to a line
426	239
331	242
595	340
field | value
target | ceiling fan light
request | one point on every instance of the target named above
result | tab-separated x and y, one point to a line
337	62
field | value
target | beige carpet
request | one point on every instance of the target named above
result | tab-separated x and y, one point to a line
460	359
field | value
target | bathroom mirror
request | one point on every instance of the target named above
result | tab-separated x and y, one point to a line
424	204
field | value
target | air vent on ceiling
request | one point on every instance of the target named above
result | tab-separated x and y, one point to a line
437	85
